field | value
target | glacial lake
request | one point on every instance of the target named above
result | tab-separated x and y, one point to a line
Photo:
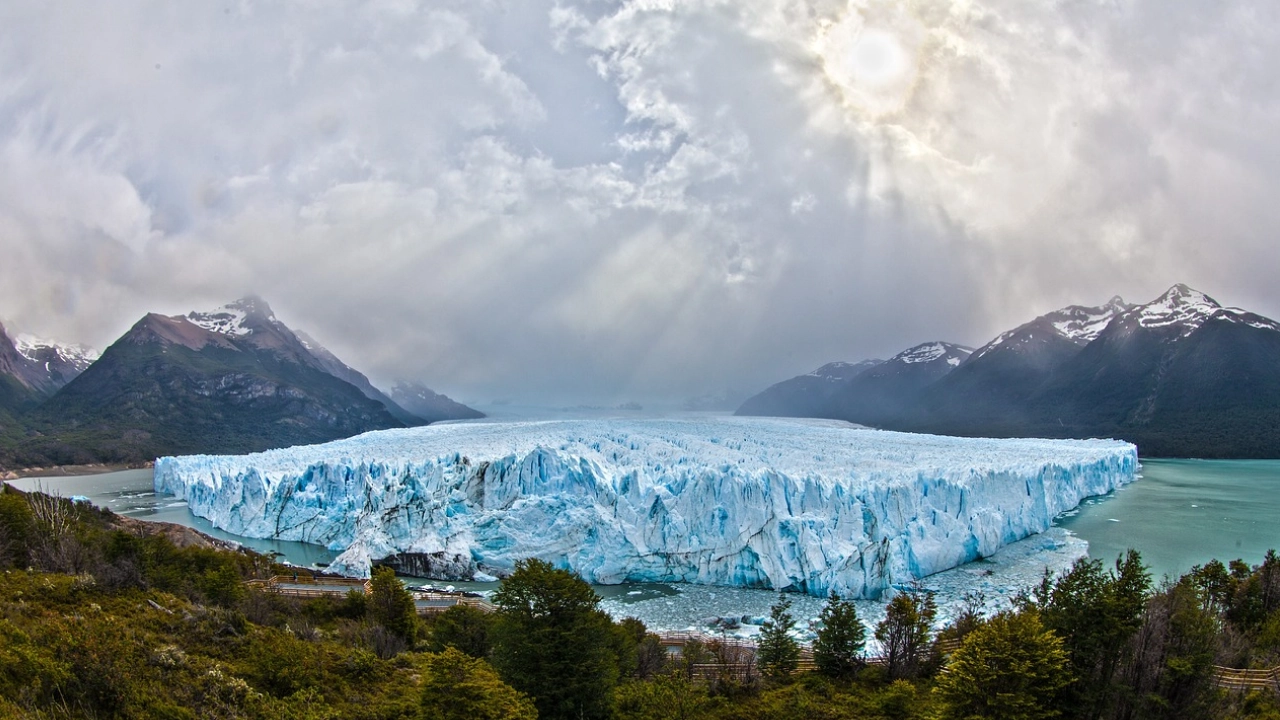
1179	514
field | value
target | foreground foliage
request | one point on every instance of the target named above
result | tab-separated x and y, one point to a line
101	619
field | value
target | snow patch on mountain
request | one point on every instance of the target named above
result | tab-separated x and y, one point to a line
1080	324
815	506
1190	309
1083	324
1179	305
1251	319
233	318
34	349
928	352
840	371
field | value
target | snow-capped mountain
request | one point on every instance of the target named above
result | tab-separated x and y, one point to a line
932	352
890	389
59	362
36	368
1077	324
1185	310
234	379
237	319
804	395
991	389
839	372
1181	375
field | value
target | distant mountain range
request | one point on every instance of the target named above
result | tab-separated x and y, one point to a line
1180	376
234	379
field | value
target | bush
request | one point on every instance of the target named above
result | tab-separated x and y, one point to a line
456	686
1010	668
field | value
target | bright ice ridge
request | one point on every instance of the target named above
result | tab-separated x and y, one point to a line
807	505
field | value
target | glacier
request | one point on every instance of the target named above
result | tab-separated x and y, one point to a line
800	505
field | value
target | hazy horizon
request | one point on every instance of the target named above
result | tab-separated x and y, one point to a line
564	202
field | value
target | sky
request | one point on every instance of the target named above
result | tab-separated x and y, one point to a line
590	201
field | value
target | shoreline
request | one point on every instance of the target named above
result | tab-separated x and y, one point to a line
72	470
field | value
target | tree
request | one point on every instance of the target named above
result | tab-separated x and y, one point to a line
552	642
778	653
1169	669
1009	668
465	628
391	605
837	650
456	686
1095	613
17	529
905	633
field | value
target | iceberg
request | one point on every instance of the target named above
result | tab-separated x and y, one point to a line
788	504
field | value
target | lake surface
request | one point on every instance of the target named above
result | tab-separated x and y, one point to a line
1179	514
1184	513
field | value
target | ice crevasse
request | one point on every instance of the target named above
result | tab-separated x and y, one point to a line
803	505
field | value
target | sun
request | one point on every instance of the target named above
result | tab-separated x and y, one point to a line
871	58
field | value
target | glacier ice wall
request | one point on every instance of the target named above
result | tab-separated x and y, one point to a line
812	506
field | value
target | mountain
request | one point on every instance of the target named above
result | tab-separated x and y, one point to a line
335	367
429	405
1181	375
21	382
231	380
57	363
804	395
890	390
991	389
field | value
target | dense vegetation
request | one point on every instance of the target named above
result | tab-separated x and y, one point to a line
100	620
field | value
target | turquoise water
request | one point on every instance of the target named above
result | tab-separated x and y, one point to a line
1183	513
131	493
1180	513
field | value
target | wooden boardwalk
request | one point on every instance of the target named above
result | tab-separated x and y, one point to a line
427	602
1244	680
735	657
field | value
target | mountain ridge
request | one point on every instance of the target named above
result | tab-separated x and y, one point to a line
1181	376
234	379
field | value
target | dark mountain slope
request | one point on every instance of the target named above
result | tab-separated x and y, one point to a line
335	367
989	392
890	391
235	380
804	395
1180	376
19	380
429	405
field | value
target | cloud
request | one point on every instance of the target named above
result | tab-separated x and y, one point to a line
575	201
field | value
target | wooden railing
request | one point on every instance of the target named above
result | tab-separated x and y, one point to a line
737	656
1236	679
426	601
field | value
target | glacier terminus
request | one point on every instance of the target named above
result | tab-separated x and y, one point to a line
801	505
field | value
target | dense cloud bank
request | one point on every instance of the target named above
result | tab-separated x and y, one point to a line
634	199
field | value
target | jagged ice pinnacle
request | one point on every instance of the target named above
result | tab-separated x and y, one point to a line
806	505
